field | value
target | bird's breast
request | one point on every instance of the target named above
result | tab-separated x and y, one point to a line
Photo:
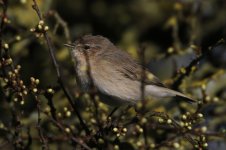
83	76
112	83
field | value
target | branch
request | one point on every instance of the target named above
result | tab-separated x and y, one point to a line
188	69
74	139
4	7
59	76
63	24
43	140
3	17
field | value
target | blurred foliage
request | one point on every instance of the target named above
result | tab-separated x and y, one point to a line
174	33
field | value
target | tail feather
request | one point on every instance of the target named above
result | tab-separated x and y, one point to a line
181	95
162	92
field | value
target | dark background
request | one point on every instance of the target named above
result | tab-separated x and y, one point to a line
174	33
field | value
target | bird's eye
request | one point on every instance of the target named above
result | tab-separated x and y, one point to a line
86	47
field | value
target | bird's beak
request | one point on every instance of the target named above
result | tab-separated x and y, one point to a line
69	45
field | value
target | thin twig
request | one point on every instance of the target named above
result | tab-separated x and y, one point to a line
44	141
59	76
51	105
188	69
142	89
63	24
28	145
2	25
93	91
74	139
4	16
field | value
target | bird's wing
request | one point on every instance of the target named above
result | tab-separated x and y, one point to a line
142	75
130	68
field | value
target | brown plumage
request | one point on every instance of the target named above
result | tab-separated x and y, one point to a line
114	73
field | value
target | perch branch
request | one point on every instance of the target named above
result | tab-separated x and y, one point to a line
57	68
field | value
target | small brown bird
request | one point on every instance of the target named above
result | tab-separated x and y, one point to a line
114	73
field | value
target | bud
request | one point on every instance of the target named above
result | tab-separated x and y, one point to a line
41	22
46	28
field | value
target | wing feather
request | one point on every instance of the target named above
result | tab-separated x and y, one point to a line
130	68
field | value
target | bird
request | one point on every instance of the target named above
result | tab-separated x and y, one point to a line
115	75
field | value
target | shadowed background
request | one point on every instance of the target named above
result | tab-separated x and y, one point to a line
173	32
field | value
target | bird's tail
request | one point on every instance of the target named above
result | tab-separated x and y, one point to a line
180	95
163	92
